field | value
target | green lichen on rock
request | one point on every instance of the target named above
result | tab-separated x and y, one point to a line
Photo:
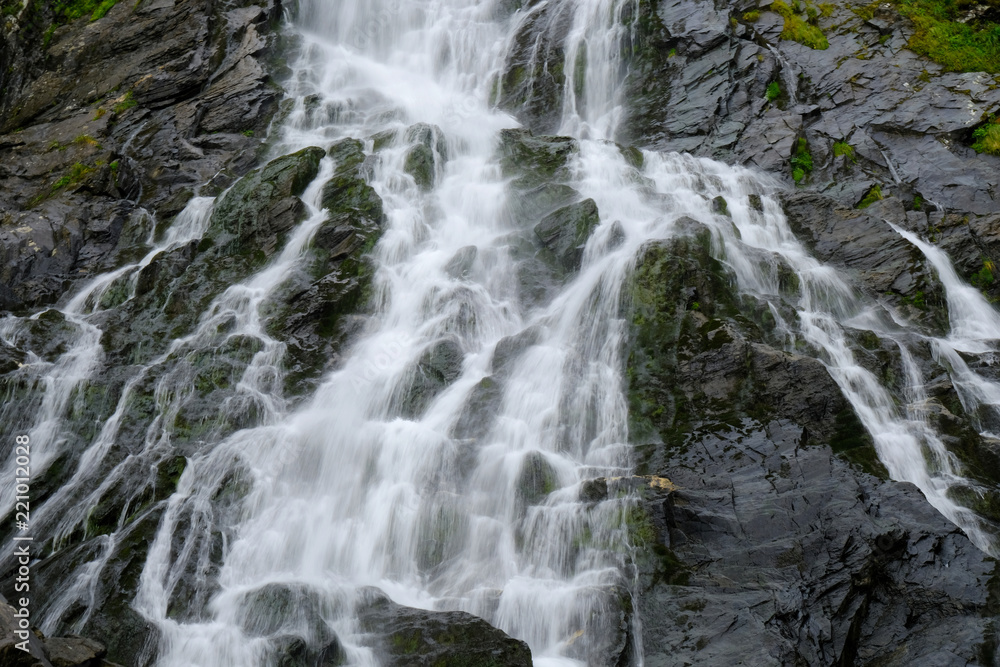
426	155
311	312
566	230
532	160
536	480
263	205
799	29
405	636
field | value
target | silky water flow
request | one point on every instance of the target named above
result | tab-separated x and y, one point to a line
354	488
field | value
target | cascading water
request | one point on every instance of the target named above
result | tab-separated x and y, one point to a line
357	487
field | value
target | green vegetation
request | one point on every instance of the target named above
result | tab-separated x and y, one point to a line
247	133
873	195
797	29
773	91
844	148
945	36
752	16
673	52
987	138
70	10
972	46
918	300
802	161
983	278
76	174
86	140
125	104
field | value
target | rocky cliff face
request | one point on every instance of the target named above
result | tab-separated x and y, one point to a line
105	120
779	538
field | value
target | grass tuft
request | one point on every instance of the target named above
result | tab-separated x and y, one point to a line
76	174
798	30
773	91
986	139
873	195
802	161
844	148
86	140
125	104
945	36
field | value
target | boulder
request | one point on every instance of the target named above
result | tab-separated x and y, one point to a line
534	161
438	367
566	230
264	204
405	636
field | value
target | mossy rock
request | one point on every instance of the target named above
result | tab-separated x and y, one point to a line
538	202
533	161
426	156
536	480
443	527
565	232
264	204
852	443
480	411
49	335
533	78
438	367
419	163
405	636
347	194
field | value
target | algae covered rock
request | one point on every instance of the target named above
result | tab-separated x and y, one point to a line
264	204
438	367
565	231
313	312
532	160
405	636
427	155
533	79
347	194
536	480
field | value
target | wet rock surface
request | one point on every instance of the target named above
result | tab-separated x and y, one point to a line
249	224
415	637
779	539
901	121
19	648
104	118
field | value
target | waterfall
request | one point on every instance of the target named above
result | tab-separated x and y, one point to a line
436	500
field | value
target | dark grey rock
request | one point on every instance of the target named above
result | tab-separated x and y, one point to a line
438	367
460	266
863	243
405	636
565	231
130	100
74	652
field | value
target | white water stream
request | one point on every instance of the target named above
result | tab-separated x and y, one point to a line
343	491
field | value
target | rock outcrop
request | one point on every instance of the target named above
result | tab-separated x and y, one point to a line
780	539
407	636
30	648
106	119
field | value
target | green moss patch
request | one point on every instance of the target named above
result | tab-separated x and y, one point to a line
986	139
799	29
